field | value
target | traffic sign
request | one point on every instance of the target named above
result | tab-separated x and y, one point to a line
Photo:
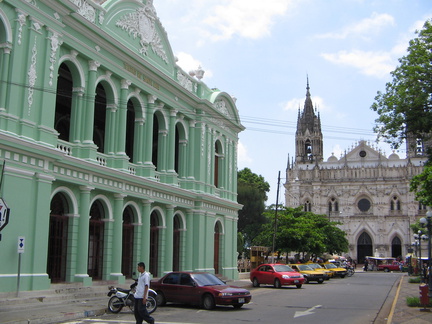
4	214
21	244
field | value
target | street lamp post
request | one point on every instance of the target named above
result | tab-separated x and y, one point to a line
428	222
419	237
415	244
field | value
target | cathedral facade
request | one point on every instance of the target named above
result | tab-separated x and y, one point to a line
110	153
364	190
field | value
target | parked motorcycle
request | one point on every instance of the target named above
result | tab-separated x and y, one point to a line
125	297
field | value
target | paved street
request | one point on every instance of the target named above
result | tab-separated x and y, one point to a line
353	300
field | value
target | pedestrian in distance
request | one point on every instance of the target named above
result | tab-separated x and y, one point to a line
141	294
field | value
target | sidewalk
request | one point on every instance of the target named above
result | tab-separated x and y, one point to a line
49	307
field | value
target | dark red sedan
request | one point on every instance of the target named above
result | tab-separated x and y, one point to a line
276	274
198	288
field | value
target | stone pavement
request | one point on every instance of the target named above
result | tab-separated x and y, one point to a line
57	306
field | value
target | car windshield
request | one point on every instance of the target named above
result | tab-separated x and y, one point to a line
314	266
304	267
207	279
282	268
330	266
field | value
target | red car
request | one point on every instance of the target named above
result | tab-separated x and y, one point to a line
198	288
276	274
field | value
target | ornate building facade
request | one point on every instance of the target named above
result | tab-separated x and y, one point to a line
111	153
367	192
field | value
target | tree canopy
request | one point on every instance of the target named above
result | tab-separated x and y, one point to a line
303	232
405	106
251	193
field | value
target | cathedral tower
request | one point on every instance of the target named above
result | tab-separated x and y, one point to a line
309	138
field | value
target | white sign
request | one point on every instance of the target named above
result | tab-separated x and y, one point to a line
4	214
21	244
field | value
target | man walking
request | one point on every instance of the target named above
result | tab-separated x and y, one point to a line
141	293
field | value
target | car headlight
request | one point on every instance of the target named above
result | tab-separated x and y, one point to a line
285	276
225	294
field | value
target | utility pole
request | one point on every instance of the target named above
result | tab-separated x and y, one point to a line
275	218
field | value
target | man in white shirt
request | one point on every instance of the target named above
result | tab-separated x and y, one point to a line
141	293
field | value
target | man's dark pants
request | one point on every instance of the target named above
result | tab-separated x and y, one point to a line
141	313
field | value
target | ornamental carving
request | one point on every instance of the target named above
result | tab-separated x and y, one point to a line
55	43
86	10
32	77
185	82
222	107
142	24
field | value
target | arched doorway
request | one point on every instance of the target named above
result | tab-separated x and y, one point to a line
128	242
176	243
217	241
57	241
154	243
364	247
96	241
396	247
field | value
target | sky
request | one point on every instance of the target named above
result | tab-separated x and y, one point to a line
263	52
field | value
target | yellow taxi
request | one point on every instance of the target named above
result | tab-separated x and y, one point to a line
319	268
308	273
337	272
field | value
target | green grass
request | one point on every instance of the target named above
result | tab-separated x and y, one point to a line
415	302
414	280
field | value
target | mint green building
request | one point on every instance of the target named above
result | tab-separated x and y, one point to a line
111	153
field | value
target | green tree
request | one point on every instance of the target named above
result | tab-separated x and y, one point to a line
251	193
406	105
303	232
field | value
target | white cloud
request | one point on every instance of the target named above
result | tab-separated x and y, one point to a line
249	19
376	64
363	28
243	157
296	103
188	63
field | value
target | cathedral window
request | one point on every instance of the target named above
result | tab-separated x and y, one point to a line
395	203
364	204
333	205
307	206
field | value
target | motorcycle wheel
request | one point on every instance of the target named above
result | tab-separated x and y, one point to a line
151	304
115	304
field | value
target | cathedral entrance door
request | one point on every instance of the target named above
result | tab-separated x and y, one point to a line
364	247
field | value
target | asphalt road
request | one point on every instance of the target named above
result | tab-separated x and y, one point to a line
354	300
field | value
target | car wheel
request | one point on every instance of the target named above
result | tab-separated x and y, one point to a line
306	280
160	298
208	302
277	283
238	306
298	286
320	281
255	282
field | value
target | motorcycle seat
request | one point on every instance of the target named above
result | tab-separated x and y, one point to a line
126	291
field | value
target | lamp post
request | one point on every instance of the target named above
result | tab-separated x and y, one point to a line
415	244
419	237
428	222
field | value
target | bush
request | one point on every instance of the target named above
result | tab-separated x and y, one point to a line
414	280
415	302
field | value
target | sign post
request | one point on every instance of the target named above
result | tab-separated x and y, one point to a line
21	245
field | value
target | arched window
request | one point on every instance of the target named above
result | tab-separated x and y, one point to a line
218	165
307	206
100	108
63	108
395	203
130	131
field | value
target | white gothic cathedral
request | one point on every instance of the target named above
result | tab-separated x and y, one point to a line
367	192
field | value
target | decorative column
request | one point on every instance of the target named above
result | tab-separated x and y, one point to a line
148	164
117	239
191	152
81	274
189	252
144	248
76	115
122	118
169	239
88	120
